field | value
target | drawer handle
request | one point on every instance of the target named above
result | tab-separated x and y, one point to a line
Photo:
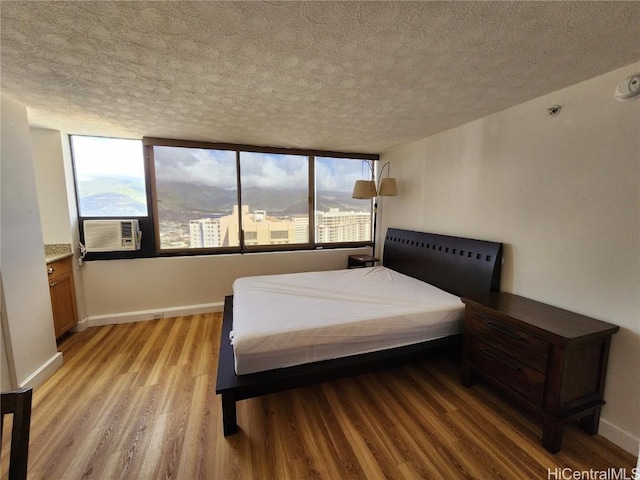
490	353
503	330
53	284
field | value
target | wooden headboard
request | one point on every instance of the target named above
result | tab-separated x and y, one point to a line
461	266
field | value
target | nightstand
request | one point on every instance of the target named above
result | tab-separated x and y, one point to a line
551	361
359	261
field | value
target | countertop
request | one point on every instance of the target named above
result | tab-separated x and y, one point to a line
57	251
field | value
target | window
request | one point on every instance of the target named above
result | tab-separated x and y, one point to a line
110	180
111	183
196	198
338	217
275	198
233	198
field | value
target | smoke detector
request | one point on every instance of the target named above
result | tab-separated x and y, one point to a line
628	89
554	110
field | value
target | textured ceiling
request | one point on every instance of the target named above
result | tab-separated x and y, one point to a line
344	76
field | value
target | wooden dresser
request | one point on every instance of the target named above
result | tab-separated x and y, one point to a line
548	360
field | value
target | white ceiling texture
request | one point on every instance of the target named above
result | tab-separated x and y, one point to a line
341	76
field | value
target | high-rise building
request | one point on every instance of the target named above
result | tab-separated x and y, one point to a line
259	228
205	232
335	226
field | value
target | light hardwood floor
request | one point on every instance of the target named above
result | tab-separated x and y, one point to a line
137	401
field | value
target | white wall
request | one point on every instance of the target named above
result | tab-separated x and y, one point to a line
29	318
56	196
129	286
51	185
563	194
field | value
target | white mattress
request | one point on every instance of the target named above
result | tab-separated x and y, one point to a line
290	319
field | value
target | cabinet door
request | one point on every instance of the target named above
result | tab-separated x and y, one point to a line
63	302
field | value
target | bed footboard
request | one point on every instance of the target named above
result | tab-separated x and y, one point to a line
234	388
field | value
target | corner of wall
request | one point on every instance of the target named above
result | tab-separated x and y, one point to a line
29	324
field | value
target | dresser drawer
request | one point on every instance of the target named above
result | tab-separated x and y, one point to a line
59	267
507	370
525	347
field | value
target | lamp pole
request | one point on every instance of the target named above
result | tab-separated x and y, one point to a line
375	219
379	192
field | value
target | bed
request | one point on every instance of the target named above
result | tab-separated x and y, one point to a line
459	266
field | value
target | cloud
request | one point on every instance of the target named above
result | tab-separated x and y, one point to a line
339	174
266	170
287	172
194	165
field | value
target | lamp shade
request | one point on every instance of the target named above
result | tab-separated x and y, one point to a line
388	187
364	189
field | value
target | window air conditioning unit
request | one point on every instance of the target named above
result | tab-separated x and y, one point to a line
111	235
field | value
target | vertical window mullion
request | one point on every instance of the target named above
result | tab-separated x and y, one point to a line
239	190
153	194
312	200
75	175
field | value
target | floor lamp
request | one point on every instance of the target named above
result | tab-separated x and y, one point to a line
370	189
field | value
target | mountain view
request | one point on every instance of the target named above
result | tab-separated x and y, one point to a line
181	196
112	196
182	201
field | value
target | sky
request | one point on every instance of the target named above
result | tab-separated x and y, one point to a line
96	156
217	167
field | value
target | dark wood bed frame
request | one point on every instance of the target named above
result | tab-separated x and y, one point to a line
461	266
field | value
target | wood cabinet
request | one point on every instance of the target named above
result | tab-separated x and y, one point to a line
548	360
63	296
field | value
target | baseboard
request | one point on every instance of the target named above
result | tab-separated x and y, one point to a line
143	315
45	371
620	437
82	325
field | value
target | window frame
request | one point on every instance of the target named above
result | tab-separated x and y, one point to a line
350	156
150	142
309	245
150	245
147	243
148	155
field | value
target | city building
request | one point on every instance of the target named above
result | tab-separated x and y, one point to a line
336	226
261	229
